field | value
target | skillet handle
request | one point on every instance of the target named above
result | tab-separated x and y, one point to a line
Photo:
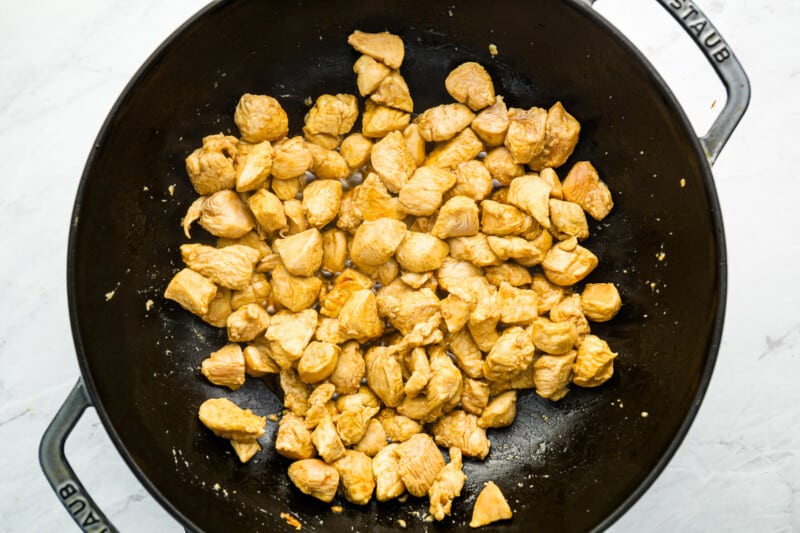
58	471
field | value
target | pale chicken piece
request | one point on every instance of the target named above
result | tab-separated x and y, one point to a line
247	322
483	323
419	280
292	159
570	310
210	167
293	440
287	190
549	175
561	137
514	275
296	293
517	248
327	442
256	292
350	369
470	84
503	219
455	312
371	200
512	353
542	241
458	217
600	301
419	462
584	187
194	292
408	310
245	450
475	396
356	149
231	267
532	194
549	294
473	179
386	469
517	306
474	249
229	421
460	430
320	397
491	124
501	165
500	412
554	337
374	440
295	392
328	165
289	334
422	194
466	353
318	361
415	143
315	478
392	161
219	308
332	115
326	142
258	362
345	284
357	481
295	217
446	486
225	367
463	147
416	361
267	210
328	331
301	253
253	169
567	263
352	424
453	273
421	252
568	219
358	317
443	391
192	214
250	239
594	364
443	122
398	428
260	118
385	273
369	74
526	132
490	506
379	120
334	250
393	92
385	47
384	375
552	374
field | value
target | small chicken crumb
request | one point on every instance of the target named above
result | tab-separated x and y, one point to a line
292	521
272	417
493	50
110	294
336	509
661	256
645	414
148	305
171	190
683	183
401	523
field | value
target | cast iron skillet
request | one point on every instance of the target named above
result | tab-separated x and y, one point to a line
568	466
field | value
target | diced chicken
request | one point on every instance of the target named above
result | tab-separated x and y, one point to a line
458	217
350	368
467	354
229	421
289	334
453	273
514	275
446	486
473	179
356	150
561	136
318	361
500	412
327	442
194	292
567	263
293	440
268	210
513	352
568	219
384	375
419	280
526	132
345	284
245	450
301	254
463	147
398	428
584	187
531	194
483	323
225	367
501	165
260	118
320	404
443	122
552	374
247	322
455	312
295	392
408	309
370	74
230	267
549	175
355	474
296	293
328	331
210	167
385	47
517	306
474	249
371	200
442	393
393	92
392	161
327	165
503	219
379	120
334	250
193	213
256	292
419	372
570	310
253	169
517	248
288	189
356	410
292	159
415	143
422	194
250	239
295	217
490	506
553	337
419	462
470	84
491	124
594	364
549	294
475	396
332	115
315	478
421	252
258	362
358	318
386	469
376	241
460	430
600	301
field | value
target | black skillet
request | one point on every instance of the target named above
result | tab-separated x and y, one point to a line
568	466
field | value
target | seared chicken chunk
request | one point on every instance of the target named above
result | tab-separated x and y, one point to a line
384	375
229	421
392	161
568	218
561	136
328	331
549	175
473	179
318	361
443	122
408	310
257	292
355	474
500	412
459	429
386	469
245	450
594	364
385	47
446	486
257	361
356	410
491	124
458	217
552	374
600	301
501	165
358	318
292	159
346	283
553	337
467	354
225	367
371	200
483	323
503	219
584	187
193	291
295	216
295	392
475	396
327	442
315	478
260	118
247	322
470	84
422	194
334	250
379	120
356	150
419	370
393	92
288	189
455	312
370	74
490	506
210	168
329	166
463	147
421	252
531	194
569	310
453	273
517	306
350	368
268	210
526	132
517	248
373	441
301	254
398	428
253	169
293	440
289	334
514	275
230	267
332	115
549	294
419	462
567	263
415	143
512	352
296	293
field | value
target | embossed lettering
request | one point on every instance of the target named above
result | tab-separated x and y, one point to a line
712	35
67	490
90	519
698	27
721	55
78	504
692	11
676	4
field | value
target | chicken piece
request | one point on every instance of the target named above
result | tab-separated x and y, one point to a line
352	423
292	159
318	361
514	275
252	170
584	187
260	118
567	263
531	194
229	421
446	384
503	219
473	179
350	368
328	331
293	440
419	462
383	274
268	210
247	322
553	337
210	167
552	374
475	396
443	122
491	124
355	474
384	375
548	294
393	92
332	115
295	217
398	428
466	353
526	131
458	217
250	239
500	412
258	362
301	254
446	486
600	301
474	249
371	200
422	194
386	469
315	478
420	372
327	164
415	143
194	292
334	250
245	450
569	310
385	47
370	74
408	309
326	142
296	293
470	84
419	280
594	364
356	149
561	137
192	214
287	190
358	318
460	430
327	442
421	252
289	334
392	161
490	506
453	273
568	219
516	248
549	175
231	267
225	367
501	165
455	312
512	353
378	120
483	323
376	241
373	441
346	283
463	147
295	392
320	404
517	306
256	292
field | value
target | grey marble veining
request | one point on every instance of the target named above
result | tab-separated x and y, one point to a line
63	64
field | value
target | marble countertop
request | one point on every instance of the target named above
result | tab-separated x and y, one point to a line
62	66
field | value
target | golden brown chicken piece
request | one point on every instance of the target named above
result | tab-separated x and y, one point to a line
594	364
350	368
295	216
355	474
296	293
475	396
567	263
443	122
318	404
334	250
460	430
332	115
327	164
500	412
225	367
384	375
231	267
327	442
376	241
345	284
561	136
356	150
385	47
474	249
549	175
419	462
600	301
256	292
467	354
490	506
293	440
421	252
358	318
549	294
463	147
257	361
473	179
315	478
483	323
446	486
260	118
288	189
419	280
569	310
552	374
392	161
192	214
458	217
292	159
398	428
532	194
393	92
253	168
321	201
454	274
455	312
373	441
301	254
370	74
526	132
568	219
491	124
245	450
385	468
503	219
371	200
584	187
289	334
250	239
419	371
517	306
295	392
517	248
318	361
247	322
223	214
501	165
446	384
379	120
210	167
470	84
194	292
415	143
512	353
553	337
268	210
422	194
514	275
229	421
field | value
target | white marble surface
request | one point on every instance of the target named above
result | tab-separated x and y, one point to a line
62	65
